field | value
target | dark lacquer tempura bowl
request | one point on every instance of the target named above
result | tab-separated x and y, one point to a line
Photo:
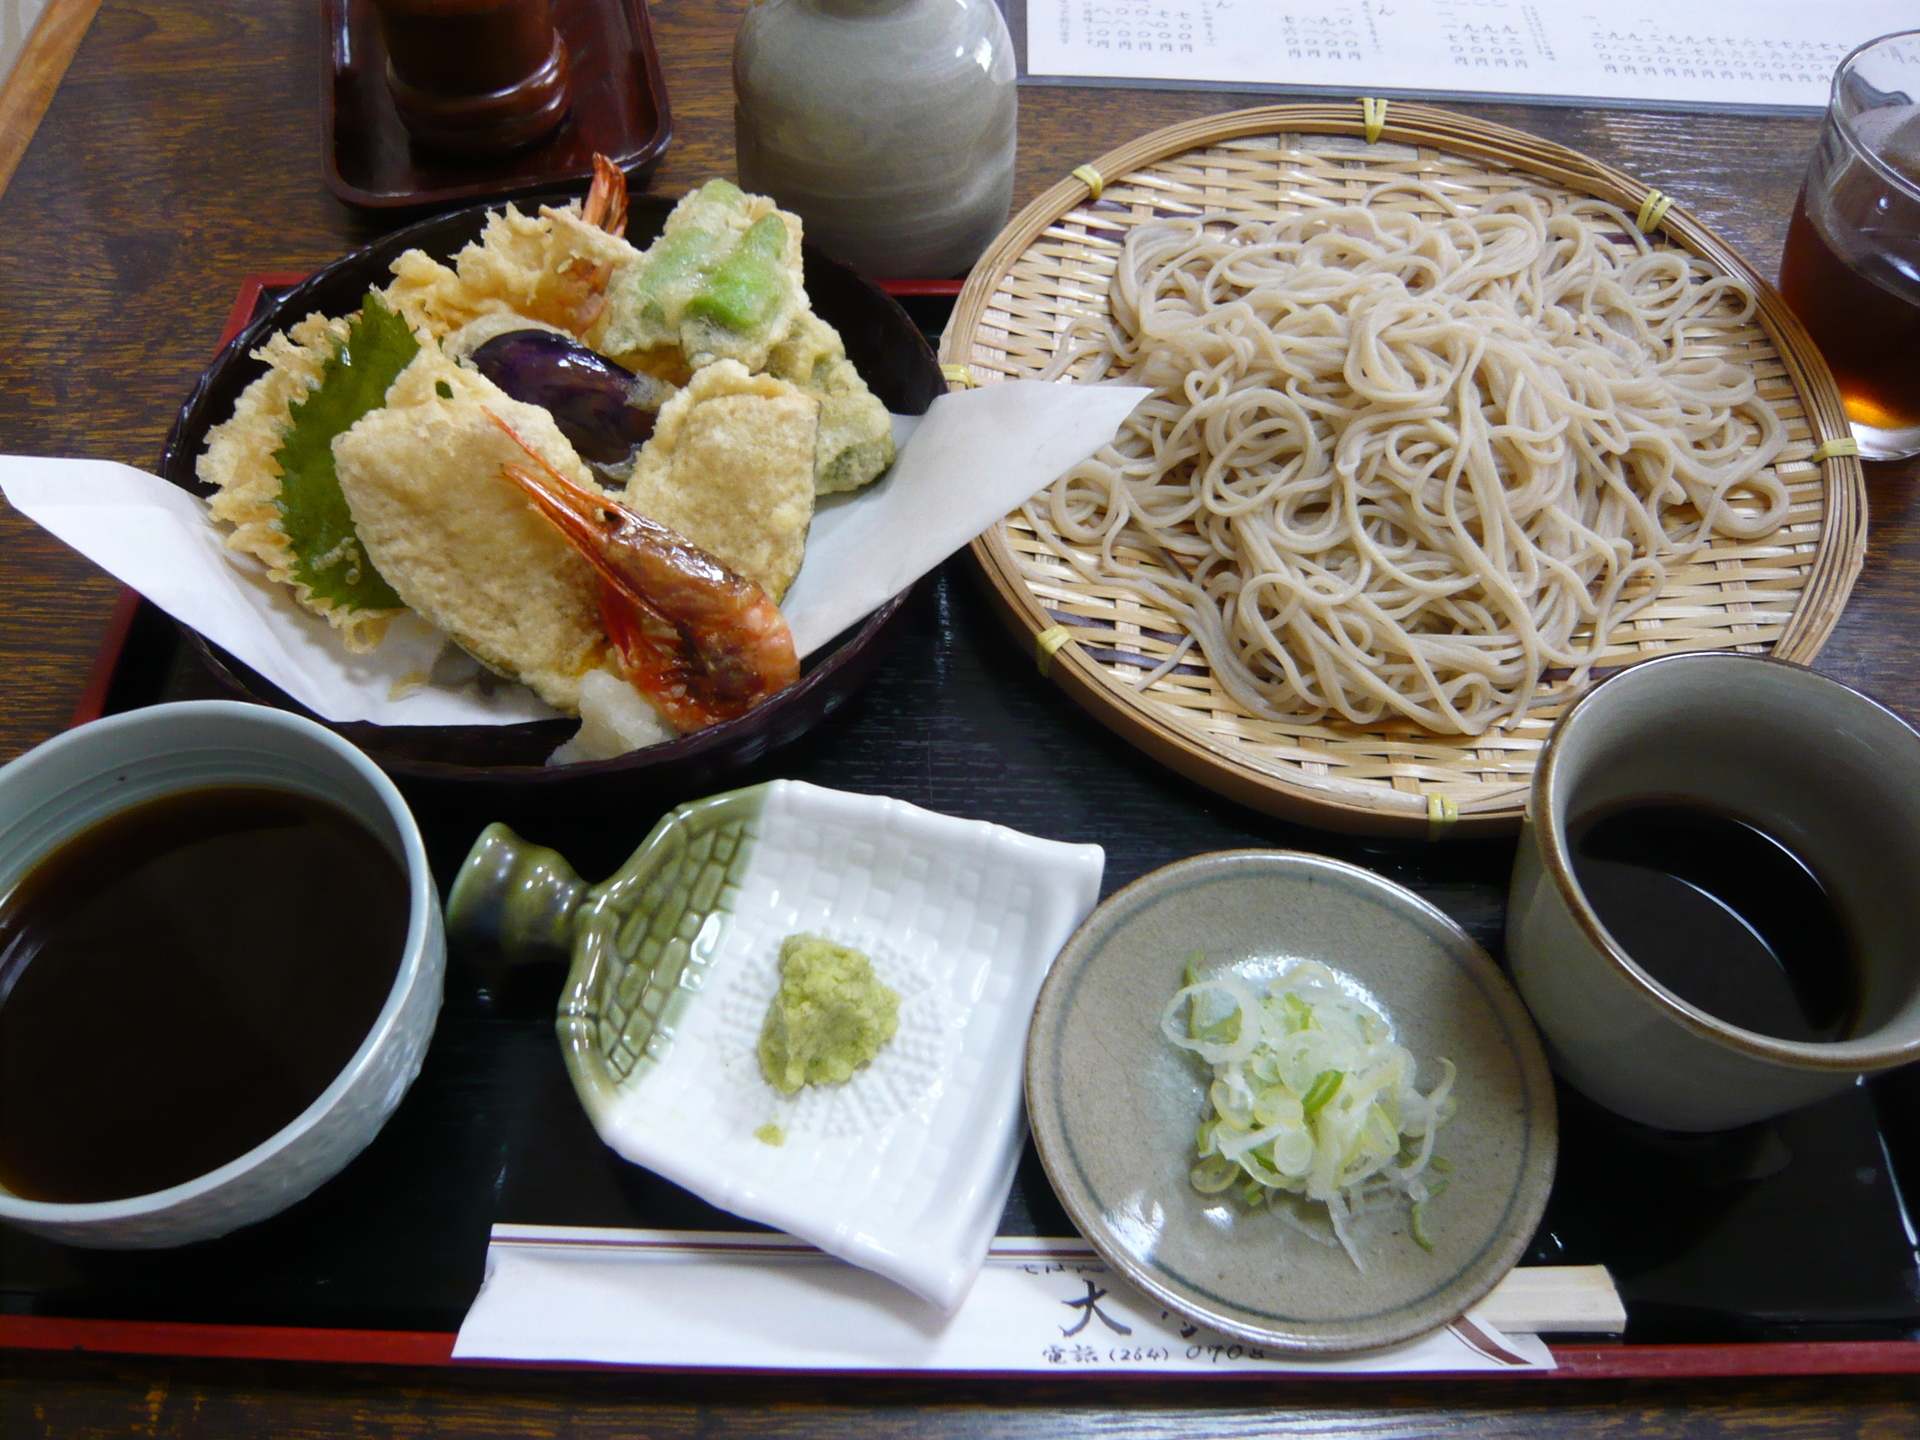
503	765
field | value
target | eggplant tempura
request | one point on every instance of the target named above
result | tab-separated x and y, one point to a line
687	385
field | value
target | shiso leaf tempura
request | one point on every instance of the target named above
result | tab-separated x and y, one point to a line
1311	1098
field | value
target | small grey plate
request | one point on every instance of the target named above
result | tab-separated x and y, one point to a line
1114	1105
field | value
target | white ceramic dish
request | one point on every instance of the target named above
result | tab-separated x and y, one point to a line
904	1170
75	780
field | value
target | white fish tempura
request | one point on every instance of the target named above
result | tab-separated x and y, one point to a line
1399	466
730	467
462	546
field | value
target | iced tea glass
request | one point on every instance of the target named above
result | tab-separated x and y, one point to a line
1852	266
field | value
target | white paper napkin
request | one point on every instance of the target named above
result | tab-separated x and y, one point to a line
684	1299
973	457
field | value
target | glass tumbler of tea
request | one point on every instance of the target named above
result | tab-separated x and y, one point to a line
1851	270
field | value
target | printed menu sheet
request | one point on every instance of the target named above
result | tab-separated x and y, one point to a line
1771	53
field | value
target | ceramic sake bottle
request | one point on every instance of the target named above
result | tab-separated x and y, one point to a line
886	125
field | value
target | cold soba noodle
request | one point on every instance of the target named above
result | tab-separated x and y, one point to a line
1401	466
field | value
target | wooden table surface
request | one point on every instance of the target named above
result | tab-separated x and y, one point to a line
182	152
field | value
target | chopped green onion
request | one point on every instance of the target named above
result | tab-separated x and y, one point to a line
1419	1222
1213	1175
1311	1101
1219	1033
1325	1086
1418	1225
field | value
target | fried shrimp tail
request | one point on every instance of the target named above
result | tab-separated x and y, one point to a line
606	204
700	642
605	208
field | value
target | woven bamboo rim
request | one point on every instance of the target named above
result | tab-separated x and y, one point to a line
1782	595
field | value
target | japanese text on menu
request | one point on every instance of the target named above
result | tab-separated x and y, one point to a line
1762	52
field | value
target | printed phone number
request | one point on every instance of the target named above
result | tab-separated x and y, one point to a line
1149	1354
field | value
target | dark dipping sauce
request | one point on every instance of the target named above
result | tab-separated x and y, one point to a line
1722	914
181	981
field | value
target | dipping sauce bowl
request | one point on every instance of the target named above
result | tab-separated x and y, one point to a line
60	792
1827	774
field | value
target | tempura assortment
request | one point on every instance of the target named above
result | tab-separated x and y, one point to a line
591	466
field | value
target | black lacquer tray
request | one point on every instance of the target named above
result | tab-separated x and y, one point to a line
1782	1247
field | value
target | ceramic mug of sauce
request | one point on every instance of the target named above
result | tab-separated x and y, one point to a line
220	963
1714	904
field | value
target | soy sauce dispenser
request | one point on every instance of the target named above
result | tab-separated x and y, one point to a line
888	126
476	79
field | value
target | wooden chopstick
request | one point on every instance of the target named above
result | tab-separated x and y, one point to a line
42	64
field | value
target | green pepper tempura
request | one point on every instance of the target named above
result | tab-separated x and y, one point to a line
721	283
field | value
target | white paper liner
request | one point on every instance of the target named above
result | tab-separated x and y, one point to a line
974	456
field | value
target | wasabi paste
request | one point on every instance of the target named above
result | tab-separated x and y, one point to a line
829	1019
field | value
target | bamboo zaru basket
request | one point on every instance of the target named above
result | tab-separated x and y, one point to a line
1051	265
